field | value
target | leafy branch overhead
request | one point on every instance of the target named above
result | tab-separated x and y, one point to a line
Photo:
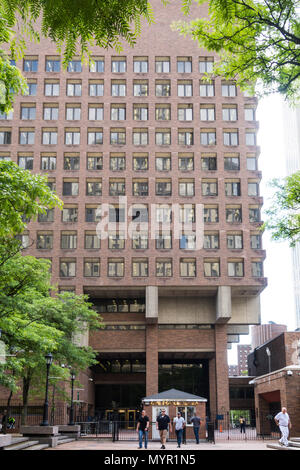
257	41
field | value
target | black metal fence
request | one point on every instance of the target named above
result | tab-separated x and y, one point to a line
31	415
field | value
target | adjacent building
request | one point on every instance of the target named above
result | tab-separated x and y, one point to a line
242	357
141	141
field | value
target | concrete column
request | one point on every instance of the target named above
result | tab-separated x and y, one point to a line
151	359
151	304
222	380
223	307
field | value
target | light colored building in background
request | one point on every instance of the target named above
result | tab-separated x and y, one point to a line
242	361
291	119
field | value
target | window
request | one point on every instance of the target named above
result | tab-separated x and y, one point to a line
140	112
164	268
117	187
24	240
250	137
163	137
116	240
97	65
163	188
162	88
232	188
163	241
163	163
73	113
186	188
257	268
233	214
188	267
116	214
140	88
25	137
185	136
140	188
73	88
209	188
26	163
232	163
92	214
163	214
70	188
139	267
229	113
49	137
93	187
208	162
254	214
44	241
211	214
251	163
32	87
207	89
115	267
118	112
91	241
94	162
184	65
75	66
140	163
92	268
71	163
211	268
140	136
249	113
207	112
5	137
186	163
185	112
140	241
30	65
206	64
187	242
184	88
118	64
162	64
187	213
139	213
117	136
235	268
253	188
72	137
230	137
51	88
163	112
117	163
95	137
255	242
235	241
50	113
208	137
53	65
48	163
47	216
28	112
7	116
228	90
96	88
68	268
140	64
211	241
68	241
96	113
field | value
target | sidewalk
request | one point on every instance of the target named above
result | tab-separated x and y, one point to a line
171	446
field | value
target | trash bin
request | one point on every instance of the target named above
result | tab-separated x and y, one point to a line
210	432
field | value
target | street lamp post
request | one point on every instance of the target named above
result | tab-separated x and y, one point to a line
71	421
269	358
49	359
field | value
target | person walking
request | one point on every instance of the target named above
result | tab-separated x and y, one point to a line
242	425
163	424
142	429
179	423
282	420
196	421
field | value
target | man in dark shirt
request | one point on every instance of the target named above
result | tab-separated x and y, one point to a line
142	428
196	426
163	423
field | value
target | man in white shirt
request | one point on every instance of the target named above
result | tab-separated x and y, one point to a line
282	420
179	426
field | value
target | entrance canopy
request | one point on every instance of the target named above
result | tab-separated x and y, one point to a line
173	397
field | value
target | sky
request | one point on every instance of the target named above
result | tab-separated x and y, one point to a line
277	299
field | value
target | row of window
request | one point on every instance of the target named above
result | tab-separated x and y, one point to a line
140	240
140	112
187	213
186	162
164	267
119	64
140	136
185	88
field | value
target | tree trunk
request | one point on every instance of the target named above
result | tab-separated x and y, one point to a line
26	386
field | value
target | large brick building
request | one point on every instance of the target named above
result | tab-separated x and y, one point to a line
144	128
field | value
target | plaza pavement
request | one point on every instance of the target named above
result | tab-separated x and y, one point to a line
171	446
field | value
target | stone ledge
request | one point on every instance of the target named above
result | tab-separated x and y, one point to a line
39	430
5	440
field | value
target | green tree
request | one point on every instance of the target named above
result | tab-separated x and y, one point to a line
284	211
257	41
